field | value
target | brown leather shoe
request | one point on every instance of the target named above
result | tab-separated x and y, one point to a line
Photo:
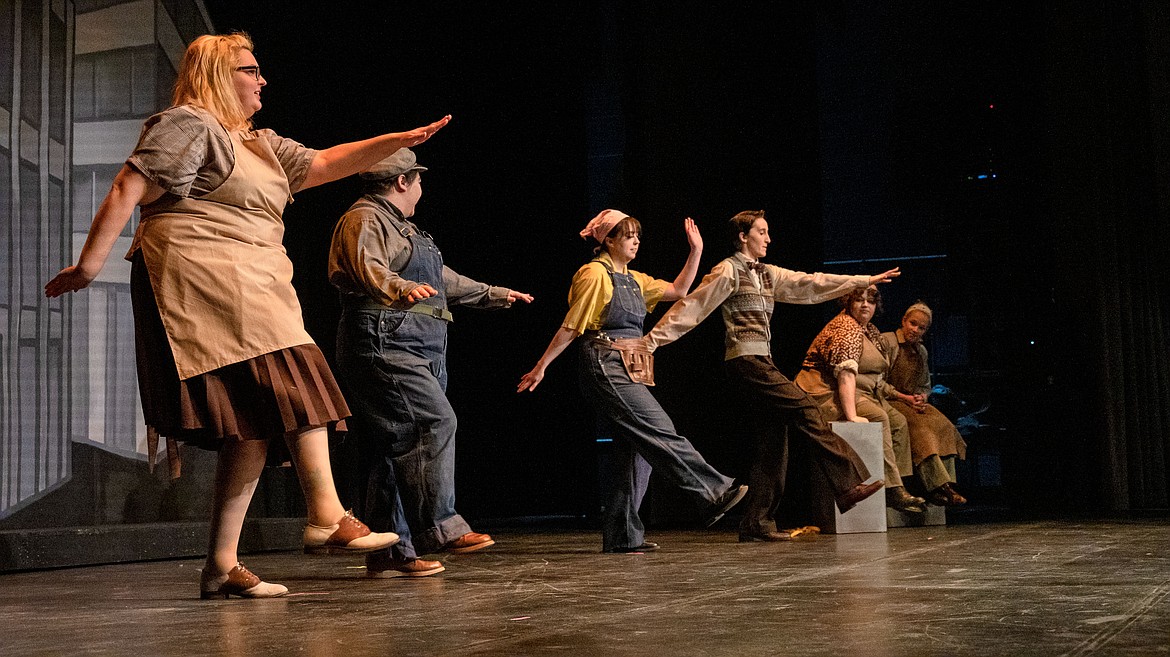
469	542
857	494
946	495
347	536
898	498
382	565
239	581
766	537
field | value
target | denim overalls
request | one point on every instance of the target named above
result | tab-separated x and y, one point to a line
644	436
396	363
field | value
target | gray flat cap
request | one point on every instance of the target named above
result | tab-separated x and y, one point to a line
402	161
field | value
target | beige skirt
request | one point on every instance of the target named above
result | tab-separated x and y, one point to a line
286	391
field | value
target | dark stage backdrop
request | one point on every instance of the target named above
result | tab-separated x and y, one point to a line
1010	158
929	136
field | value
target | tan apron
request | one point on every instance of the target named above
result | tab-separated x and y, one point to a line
221	276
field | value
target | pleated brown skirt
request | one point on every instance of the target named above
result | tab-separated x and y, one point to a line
286	391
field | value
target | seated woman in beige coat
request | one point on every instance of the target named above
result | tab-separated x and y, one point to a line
934	441
843	372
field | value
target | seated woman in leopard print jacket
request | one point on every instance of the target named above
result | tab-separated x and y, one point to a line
843	372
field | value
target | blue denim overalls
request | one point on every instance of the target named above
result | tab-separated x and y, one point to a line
644	436
395	362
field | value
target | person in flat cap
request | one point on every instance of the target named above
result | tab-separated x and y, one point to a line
396	294
608	302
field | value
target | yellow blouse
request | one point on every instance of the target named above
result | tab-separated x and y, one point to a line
592	290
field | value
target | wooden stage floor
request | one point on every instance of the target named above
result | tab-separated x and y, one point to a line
1071	587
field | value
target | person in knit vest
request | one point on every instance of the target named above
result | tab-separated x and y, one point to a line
746	290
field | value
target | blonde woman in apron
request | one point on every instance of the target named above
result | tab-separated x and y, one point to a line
224	361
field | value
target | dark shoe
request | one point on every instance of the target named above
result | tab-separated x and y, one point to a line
644	547
469	542
725	502
898	498
766	537
382	565
857	494
238	581
946	495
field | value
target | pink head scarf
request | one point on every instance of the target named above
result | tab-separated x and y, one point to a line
600	225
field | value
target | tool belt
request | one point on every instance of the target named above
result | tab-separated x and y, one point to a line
637	359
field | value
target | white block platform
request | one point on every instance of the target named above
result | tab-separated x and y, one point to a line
870	514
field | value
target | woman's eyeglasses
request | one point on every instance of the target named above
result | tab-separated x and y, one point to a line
253	71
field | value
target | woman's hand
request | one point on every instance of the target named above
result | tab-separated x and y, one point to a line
532	379
682	283
349	158
561	339
694	238
858	419
885	277
69	279
419	135
916	402
919	403
514	296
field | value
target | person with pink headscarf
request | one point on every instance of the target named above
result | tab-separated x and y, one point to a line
608	302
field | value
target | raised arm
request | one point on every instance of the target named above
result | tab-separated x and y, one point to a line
560	340
682	284
130	188
349	158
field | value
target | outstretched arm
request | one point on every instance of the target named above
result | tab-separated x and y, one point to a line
561	339
688	312
130	188
464	291
682	284
347	159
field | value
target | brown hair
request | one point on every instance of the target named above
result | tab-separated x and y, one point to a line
621	229
205	77
741	224
847	300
